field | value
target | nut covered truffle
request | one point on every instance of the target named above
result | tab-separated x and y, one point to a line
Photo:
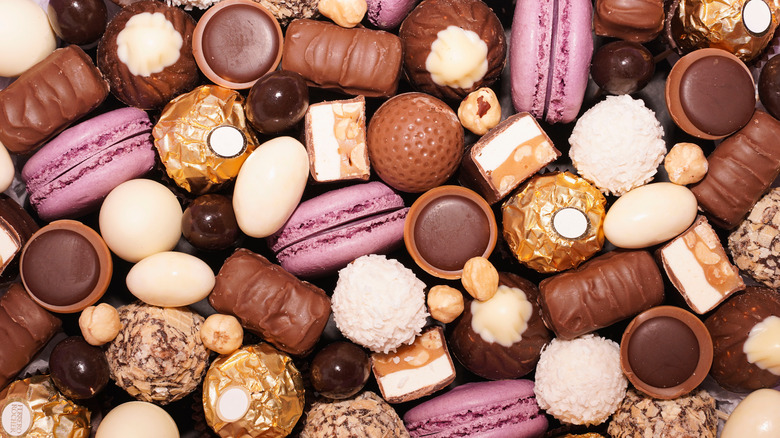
364	415
754	244
641	415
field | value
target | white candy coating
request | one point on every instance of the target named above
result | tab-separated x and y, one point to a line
139	218
148	44
6	169
757	416
26	37
269	186
649	215
458	58
137	419
170	279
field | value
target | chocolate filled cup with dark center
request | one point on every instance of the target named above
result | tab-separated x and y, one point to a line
66	266
446	226
666	352
236	42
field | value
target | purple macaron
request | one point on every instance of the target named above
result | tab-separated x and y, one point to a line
327	232
70	175
496	409
388	14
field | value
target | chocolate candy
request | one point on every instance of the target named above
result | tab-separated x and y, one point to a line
769	86
209	223
78	369
741	169
78	21
601	292
666	352
16	228
48	97
355	61
236	42
66	266
277	101
340	370
26	327
631	20
622	67
271	302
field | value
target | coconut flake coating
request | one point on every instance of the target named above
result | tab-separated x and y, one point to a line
580	381
617	145
379	303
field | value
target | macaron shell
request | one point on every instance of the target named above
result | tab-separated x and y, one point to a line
529	55
388	14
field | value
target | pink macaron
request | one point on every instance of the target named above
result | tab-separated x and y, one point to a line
388	14
70	175
549	54
327	232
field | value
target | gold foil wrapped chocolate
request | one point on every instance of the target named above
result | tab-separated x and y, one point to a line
554	222
742	27
203	139
33	408
254	392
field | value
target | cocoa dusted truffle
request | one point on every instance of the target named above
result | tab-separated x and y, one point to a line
452	47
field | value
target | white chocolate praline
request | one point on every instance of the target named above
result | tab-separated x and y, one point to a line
762	346
139	218
480	111
26	37
137	419
170	279
502	319
345	13
649	215
458	58
756	416
148	44
7	170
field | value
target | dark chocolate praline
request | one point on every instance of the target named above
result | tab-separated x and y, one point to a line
340	370
78	21
622	67
277	101
79	370
209	223
769	86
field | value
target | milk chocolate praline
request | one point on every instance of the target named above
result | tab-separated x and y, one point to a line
769	86
446	226
666	352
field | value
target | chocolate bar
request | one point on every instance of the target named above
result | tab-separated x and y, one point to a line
699	268
25	328
506	156
601	292
16	228
741	169
48	97
336	140
355	61
269	301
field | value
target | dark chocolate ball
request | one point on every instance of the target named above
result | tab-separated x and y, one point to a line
78	21
340	370
209	223
622	67
79	370
769	86
277	101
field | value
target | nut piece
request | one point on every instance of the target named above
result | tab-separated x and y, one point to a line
222	333
686	164
99	324
480	111
445	303
480	278
345	13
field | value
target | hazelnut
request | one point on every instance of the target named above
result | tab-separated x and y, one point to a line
480	111
480	278
345	13
99	324
685	163
445	303
222	333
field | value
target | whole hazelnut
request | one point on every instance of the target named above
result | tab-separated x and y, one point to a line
445	303
480	278
686	164
480	111
222	333
99	324
345	13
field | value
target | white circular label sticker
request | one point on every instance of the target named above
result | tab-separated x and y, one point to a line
227	141
570	223
756	16
232	404
16	418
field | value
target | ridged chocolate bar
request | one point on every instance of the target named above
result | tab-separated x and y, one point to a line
355	61
741	169
48	97
601	292
25	328
269	301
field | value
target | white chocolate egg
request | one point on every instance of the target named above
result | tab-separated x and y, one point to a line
170	279
757	416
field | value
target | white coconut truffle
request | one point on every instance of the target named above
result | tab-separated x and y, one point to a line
379	303
580	381
617	145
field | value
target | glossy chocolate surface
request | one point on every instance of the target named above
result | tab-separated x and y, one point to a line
663	352
277	101
78	369
622	67
209	222
769	86
631	20
78	21
340	370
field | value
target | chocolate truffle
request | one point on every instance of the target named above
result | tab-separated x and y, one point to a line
66	266
710	94
692	415
147	72
288	10
366	414
638	21
78	21
769	86
415	142
236	42
754	244
277	101
501	338
452	47
340	370
622	67
741	363
78	369
209	223
666	352
437	216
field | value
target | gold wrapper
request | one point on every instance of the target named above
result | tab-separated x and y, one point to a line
529	227
261	380
698	24
182	138
33	408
